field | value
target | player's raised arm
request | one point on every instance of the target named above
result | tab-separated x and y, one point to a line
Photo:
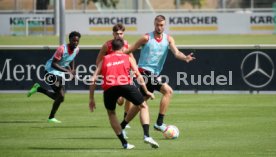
101	54
179	55
143	40
132	56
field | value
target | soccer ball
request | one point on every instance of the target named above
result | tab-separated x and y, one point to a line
171	132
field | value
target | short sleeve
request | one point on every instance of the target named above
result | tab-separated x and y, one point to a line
59	53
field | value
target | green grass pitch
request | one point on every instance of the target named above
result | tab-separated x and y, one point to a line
210	126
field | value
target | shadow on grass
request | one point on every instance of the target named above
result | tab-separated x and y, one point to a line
65	127
85	149
73	149
20	121
88	138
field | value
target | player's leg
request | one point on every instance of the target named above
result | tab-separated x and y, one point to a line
137	99
117	129
50	94
120	101
37	88
153	83
145	121
59	91
166	91
128	105
131	114
33	89
132	94
110	97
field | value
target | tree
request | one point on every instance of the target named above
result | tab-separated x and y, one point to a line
105	3
247	4
194	3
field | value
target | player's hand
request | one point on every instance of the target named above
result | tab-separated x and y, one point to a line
92	105
93	80
190	57
73	72
151	95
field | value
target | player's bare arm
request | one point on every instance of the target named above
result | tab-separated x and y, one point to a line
140	79
101	54
92	104
58	67
131	55
72	67
143	40
179	55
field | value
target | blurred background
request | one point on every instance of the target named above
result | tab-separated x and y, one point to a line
136	5
232	114
96	17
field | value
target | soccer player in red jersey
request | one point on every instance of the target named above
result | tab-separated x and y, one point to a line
118	32
115	69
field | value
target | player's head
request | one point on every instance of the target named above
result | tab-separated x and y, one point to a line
159	24
74	38
117	44
118	31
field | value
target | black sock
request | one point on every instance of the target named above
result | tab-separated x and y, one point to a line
122	139
146	130
55	107
160	119
52	95
123	124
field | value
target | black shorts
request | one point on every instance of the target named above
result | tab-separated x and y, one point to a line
151	81
130	92
54	81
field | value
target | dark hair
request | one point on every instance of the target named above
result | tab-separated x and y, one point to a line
118	27
74	33
117	44
160	18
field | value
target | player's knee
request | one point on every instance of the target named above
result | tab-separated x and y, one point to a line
120	101
111	112
60	98
144	106
168	91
